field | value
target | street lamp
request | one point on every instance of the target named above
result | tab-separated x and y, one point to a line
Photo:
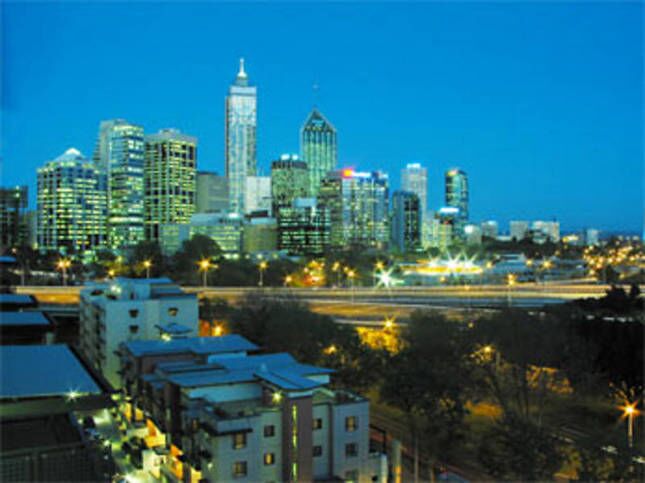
389	323
204	266
510	281
262	266
629	411
62	265
287	280
350	275
147	264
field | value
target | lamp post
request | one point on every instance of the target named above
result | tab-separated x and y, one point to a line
510	281
629	411
262	266
204	266
147	264
350	275
63	264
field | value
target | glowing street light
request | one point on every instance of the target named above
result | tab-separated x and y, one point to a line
262	266
62	265
332	349
511	279
287	280
629	411
389	323
147	264
204	266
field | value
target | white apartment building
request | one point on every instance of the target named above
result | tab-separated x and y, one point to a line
132	309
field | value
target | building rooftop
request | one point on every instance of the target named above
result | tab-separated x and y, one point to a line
8	319
173	328
280	370
9	299
43	371
197	345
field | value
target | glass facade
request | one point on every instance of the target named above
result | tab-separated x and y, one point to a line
289	180
457	197
72	204
13	222
170	170
240	138
358	207
212	192
406	221
414	179
303	227
319	148
120	155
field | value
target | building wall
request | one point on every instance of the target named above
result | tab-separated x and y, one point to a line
212	193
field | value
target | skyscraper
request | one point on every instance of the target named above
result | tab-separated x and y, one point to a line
170	168
318	147
240	134
289	180
212	192
457	197
72	204
303	227
358	207
406	221
414	179
120	155
13	223
257	196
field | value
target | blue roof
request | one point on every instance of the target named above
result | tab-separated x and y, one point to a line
41	371
13	298
281	370
196	345
8	319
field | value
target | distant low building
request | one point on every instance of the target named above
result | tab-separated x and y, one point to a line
544	231
489	229
131	309
519	230
225	229
473	234
260	234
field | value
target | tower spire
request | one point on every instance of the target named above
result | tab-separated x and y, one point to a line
242	73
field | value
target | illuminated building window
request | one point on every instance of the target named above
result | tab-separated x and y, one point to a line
239	469
239	440
269	459
351	423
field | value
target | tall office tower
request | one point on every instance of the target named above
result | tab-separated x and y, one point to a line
170	166
119	154
489	229
14	230
414	179
212	192
319	148
257	196
289	180
457	197
72	204
303	228
406	221
240	134
358	207
519	230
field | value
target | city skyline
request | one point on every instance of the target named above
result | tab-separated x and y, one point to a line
499	168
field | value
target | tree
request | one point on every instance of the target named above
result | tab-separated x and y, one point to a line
148	251
517	449
185	261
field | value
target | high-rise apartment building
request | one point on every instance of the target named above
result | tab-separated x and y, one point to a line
546	231
72	204
13	223
169	181
240	138
303	227
319	148
406	221
358	207
519	230
212	192
489	229
414	179
457	197
289	180
120	155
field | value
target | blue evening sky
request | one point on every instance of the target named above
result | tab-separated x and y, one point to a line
541	103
